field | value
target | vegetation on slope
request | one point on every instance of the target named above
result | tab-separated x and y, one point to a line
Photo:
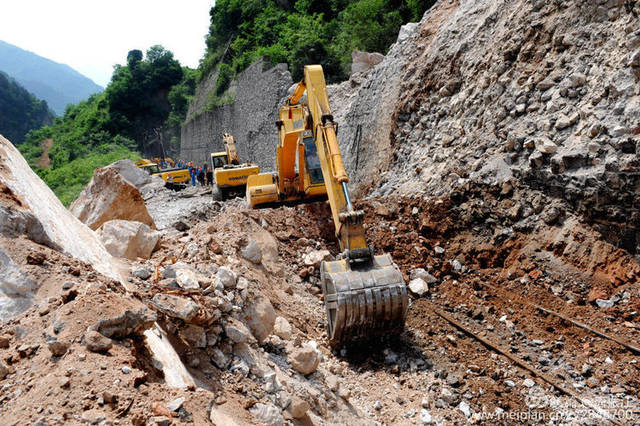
302	32
140	111
20	111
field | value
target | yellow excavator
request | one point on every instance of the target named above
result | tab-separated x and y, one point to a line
230	176
364	294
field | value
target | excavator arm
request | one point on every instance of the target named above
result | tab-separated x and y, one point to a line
365	295
230	147
347	221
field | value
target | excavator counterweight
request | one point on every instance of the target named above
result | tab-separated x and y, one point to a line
365	295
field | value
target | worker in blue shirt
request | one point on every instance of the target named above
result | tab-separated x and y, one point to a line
192	172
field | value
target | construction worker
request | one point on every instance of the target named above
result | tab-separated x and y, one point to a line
200	176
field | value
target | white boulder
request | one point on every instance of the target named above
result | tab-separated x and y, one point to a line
29	207
315	257
128	239
107	197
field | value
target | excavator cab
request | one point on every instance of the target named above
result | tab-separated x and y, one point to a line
219	160
365	295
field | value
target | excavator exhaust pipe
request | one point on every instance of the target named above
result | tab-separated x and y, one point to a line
363	302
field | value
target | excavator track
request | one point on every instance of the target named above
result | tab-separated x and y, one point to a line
364	303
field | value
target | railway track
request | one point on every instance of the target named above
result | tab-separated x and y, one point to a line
496	343
490	342
634	348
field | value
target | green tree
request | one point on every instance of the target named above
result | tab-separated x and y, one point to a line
302	32
20	111
146	99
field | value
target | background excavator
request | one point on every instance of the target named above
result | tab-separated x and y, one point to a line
230	176
365	295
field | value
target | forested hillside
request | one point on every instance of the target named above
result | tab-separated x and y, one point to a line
58	84
302	32
20	111
139	112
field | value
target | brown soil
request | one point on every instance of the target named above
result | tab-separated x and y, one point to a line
524	266
44	161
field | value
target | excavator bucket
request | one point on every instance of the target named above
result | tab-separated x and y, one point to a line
364	302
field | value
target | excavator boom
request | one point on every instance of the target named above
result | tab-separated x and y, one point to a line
365	295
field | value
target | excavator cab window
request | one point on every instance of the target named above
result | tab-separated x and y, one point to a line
312	161
152	169
219	161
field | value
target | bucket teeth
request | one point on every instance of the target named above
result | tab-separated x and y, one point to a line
365	303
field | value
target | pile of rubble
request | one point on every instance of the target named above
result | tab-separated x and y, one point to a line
488	180
543	93
201	302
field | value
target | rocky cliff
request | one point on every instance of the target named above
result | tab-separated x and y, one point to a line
542	94
251	118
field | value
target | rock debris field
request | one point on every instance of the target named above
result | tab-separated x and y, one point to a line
237	294
494	150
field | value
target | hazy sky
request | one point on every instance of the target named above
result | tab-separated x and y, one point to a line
91	36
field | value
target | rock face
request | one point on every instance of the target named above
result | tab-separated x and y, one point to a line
364	108
516	87
128	239
110	196
258	95
28	207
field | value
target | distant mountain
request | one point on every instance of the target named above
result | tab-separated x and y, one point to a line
20	111
58	84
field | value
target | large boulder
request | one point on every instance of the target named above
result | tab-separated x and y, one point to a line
132	173
128	239
110	196
28	207
137	177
